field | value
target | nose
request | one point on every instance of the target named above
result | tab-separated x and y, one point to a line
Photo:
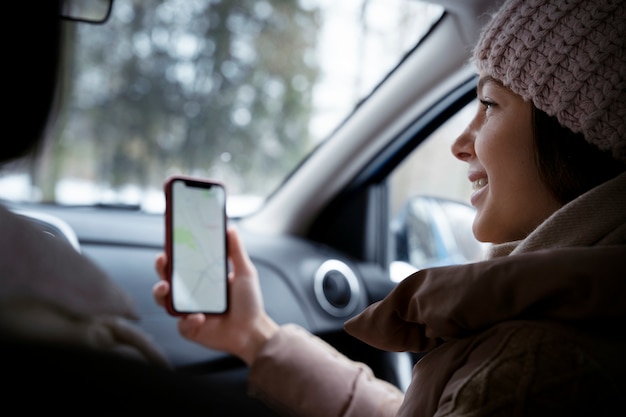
463	146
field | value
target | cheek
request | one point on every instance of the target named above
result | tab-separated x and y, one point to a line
495	148
506	147
515	201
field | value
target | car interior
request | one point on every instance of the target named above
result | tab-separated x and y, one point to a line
339	232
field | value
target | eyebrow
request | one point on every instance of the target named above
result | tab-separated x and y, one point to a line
485	80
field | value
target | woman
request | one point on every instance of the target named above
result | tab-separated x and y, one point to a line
528	331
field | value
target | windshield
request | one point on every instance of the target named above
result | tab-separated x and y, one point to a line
236	91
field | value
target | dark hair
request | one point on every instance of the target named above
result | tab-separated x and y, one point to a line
32	84
568	164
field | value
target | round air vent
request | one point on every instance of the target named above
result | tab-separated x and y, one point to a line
336	288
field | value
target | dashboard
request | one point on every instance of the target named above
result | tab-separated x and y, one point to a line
303	282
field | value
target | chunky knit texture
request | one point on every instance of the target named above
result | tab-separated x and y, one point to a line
569	58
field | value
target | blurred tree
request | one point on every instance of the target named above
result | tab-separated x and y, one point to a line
207	87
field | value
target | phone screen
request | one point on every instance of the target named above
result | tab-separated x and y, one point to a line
196	245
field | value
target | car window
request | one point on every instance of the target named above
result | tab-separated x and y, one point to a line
236	91
431	219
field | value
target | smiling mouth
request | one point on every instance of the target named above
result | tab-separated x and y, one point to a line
479	183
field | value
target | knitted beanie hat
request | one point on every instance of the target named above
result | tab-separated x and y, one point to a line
568	58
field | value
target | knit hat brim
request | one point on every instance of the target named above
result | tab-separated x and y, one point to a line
568	58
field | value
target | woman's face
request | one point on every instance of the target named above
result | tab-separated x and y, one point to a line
498	145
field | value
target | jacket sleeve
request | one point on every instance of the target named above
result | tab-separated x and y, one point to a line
298	374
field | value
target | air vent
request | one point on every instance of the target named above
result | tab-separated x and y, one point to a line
336	288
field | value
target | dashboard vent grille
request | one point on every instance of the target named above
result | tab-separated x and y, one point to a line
336	288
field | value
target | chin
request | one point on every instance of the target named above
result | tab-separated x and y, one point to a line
477	231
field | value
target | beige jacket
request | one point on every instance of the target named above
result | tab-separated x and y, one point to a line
537	332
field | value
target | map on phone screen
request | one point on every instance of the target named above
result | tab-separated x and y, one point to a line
199	249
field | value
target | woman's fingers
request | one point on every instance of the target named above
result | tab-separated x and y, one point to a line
190	326
160	265
160	290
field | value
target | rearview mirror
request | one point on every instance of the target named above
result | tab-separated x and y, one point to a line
89	11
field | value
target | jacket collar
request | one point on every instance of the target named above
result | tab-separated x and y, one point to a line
566	270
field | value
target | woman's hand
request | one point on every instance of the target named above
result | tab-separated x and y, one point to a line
245	328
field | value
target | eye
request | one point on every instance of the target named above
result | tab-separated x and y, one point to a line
486	104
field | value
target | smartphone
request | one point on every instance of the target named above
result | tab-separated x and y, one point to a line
196	245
